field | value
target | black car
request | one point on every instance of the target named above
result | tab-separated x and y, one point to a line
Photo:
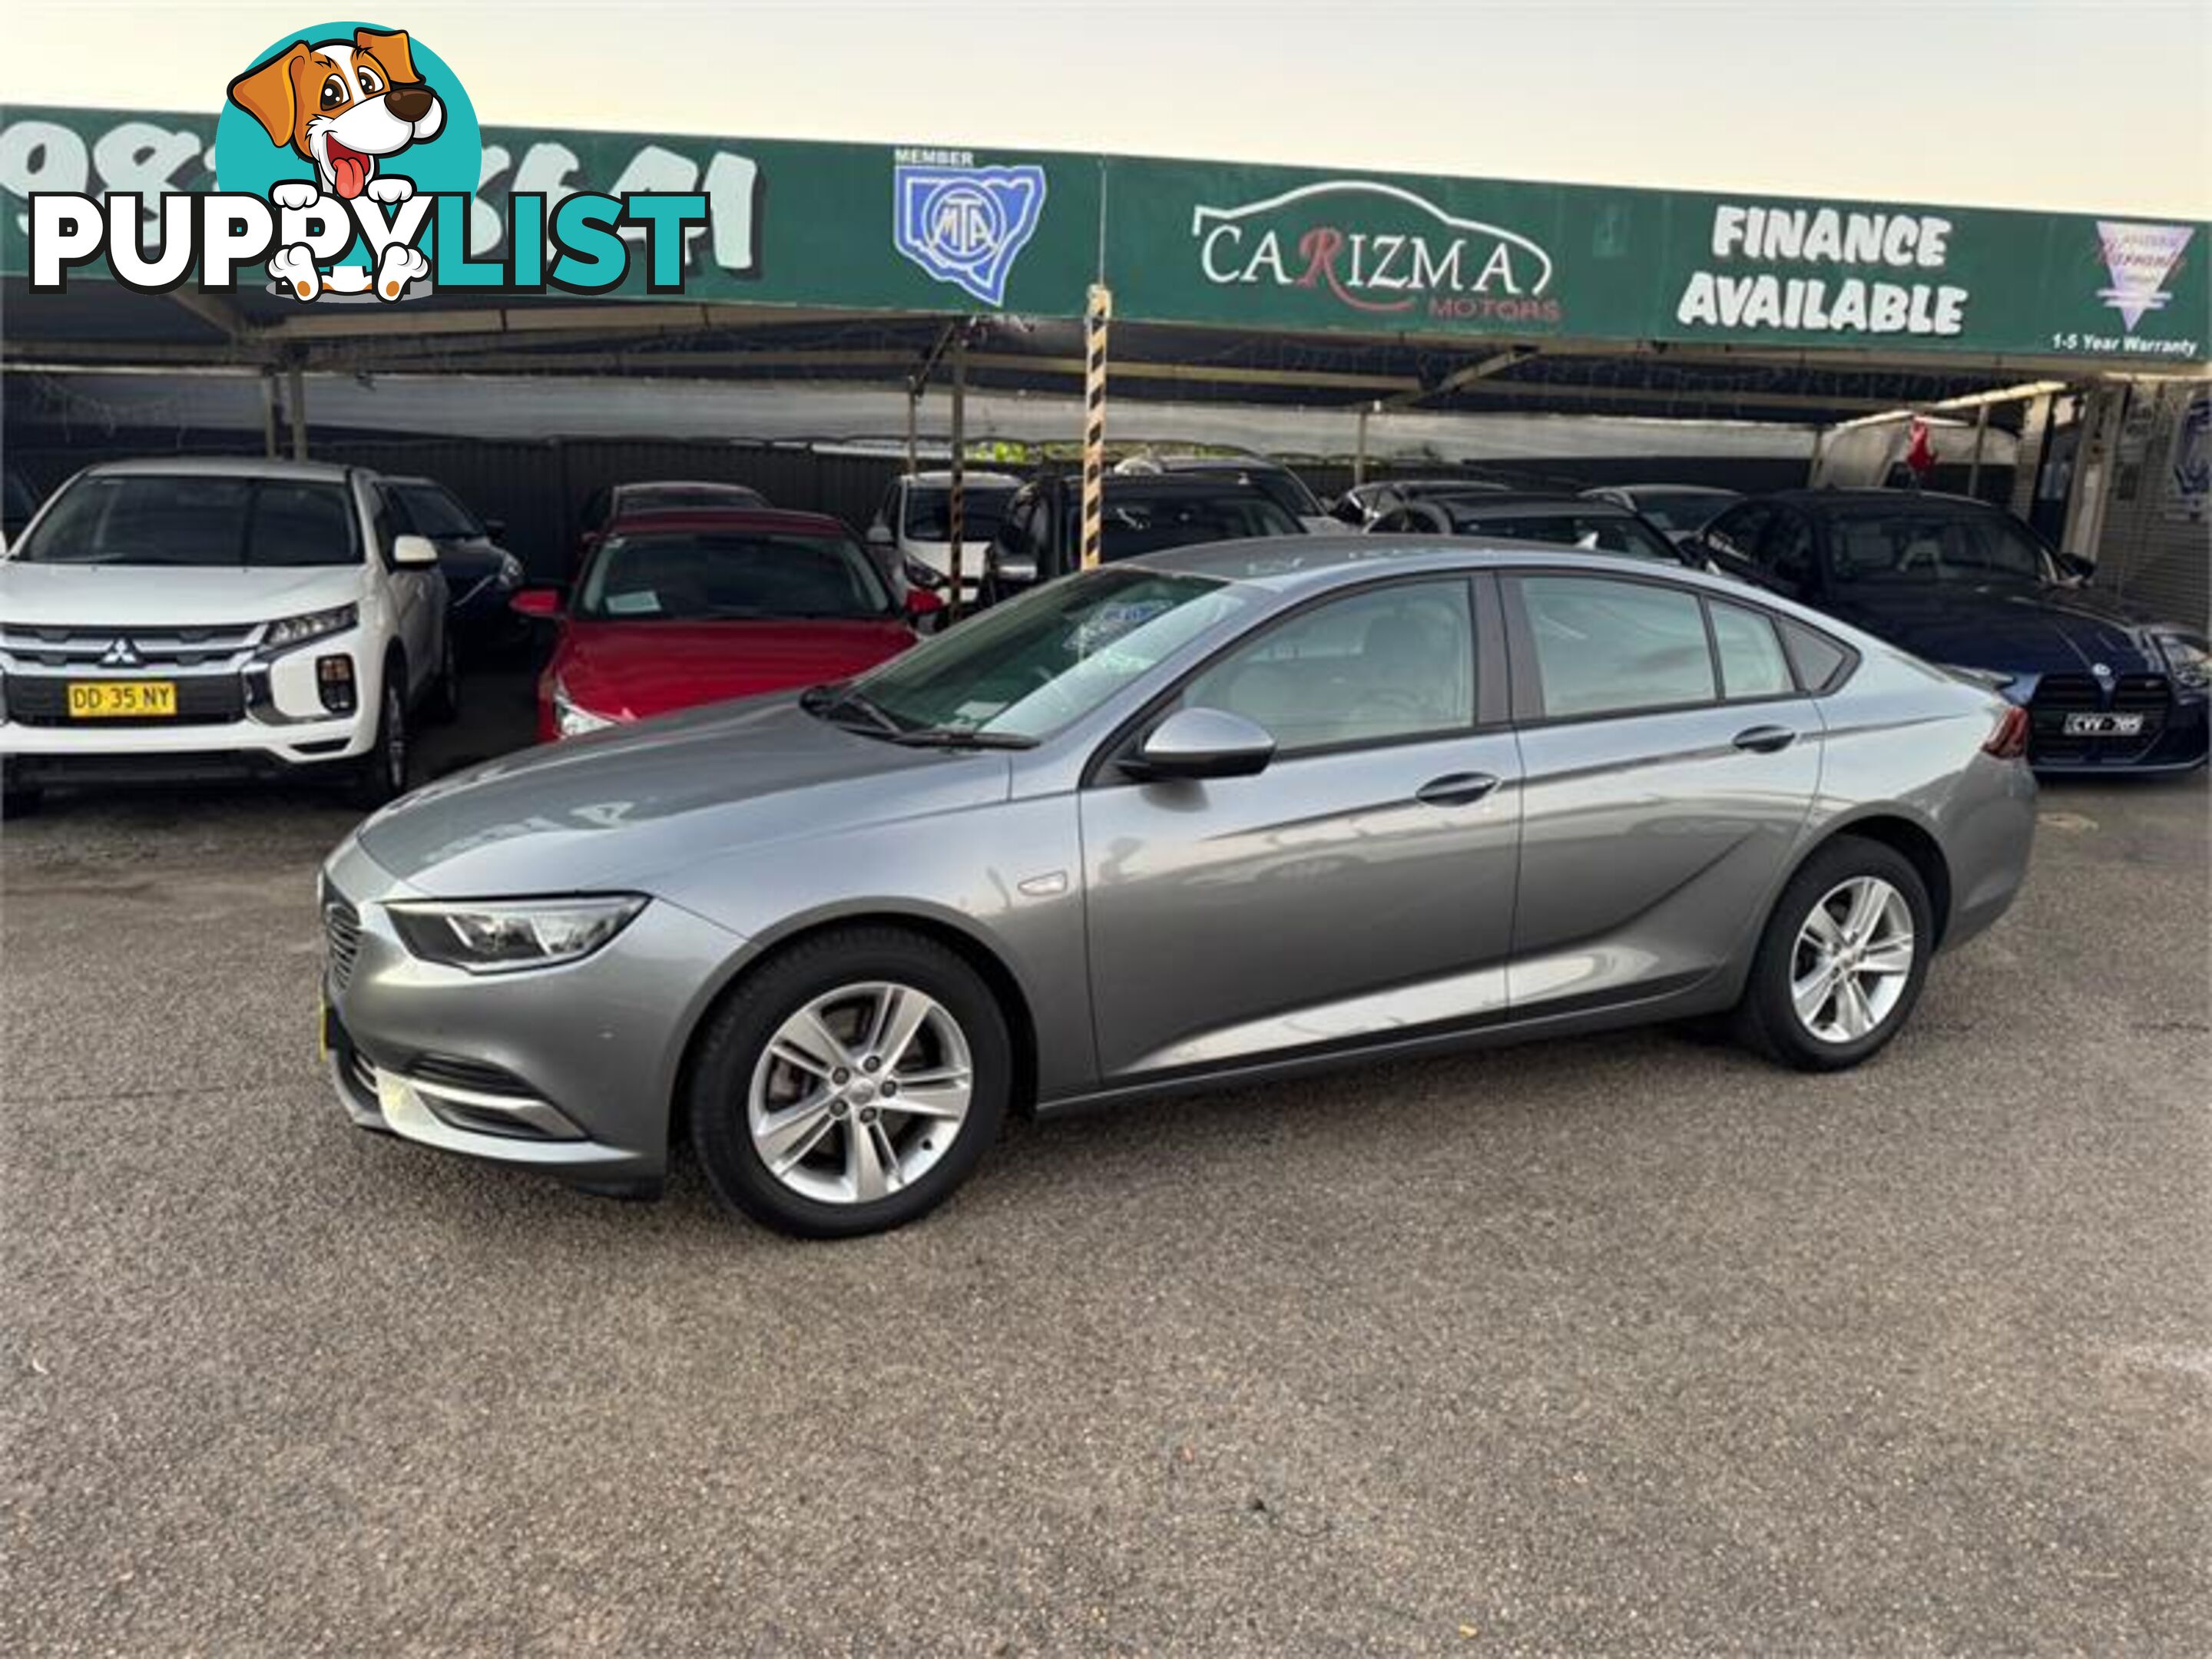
1040	536
1285	487
1681	510
1564	521
1360	506
2108	686
481	574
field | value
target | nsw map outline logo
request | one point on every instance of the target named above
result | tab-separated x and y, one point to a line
964	224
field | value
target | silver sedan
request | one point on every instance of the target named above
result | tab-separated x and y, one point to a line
1225	813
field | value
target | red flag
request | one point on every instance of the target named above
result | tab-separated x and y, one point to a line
1920	453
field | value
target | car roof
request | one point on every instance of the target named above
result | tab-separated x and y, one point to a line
1293	563
225	466
969	479
1214	464
1533	507
730	518
1670	489
1880	498
723	485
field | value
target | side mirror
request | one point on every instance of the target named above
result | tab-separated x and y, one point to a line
1203	742
495	530
2074	567
413	552
543	602
920	602
879	534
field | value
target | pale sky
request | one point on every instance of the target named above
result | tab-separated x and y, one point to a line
2010	103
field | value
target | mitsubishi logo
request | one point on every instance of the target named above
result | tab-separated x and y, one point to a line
120	654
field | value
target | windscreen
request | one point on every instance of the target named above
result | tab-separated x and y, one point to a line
731	576
929	513
679	497
193	519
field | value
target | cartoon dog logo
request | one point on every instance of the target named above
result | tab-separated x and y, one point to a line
343	106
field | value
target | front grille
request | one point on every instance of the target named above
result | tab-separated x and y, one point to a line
341	939
85	647
2057	695
205	700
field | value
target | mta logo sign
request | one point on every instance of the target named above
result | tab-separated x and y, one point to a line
967	225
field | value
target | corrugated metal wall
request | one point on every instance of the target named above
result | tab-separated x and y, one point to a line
2148	553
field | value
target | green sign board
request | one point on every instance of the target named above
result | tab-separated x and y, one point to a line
1264	247
879	227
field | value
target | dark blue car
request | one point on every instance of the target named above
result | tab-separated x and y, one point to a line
2109	686
481	575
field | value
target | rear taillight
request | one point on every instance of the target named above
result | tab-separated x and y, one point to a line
2009	741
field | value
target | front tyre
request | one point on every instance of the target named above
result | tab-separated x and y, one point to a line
850	1084
383	770
1843	958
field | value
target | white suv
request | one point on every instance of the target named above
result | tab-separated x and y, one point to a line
211	618
914	523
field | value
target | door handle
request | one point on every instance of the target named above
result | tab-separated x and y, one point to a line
1456	788
1765	739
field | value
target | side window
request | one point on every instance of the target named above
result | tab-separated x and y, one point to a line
1605	647
1752	663
1397	520
388	521
1818	660
1786	550
1390	663
1738	529
1013	538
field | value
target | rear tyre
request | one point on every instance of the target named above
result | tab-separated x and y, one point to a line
849	1084
1842	961
383	770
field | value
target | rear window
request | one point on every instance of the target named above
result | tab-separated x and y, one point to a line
189	519
929	513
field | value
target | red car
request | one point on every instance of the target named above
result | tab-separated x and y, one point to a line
678	609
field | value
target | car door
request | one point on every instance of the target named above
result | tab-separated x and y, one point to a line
1669	760
1361	886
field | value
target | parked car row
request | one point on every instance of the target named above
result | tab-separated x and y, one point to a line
682	592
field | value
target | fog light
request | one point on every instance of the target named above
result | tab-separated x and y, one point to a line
335	676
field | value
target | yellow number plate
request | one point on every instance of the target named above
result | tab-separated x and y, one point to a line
95	700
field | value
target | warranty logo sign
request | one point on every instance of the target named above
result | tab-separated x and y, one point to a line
963	224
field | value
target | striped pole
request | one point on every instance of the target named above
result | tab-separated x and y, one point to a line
1095	316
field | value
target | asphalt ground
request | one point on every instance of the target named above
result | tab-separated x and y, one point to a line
1627	1345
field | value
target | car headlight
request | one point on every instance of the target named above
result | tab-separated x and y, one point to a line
291	630
571	718
503	938
2189	660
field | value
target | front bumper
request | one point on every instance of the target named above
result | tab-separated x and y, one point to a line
571	1070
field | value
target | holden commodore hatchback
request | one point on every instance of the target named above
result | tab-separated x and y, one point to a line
1219	813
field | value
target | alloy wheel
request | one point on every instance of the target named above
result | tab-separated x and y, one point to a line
1852	960
860	1092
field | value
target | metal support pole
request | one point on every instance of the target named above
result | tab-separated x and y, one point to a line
955	527
269	412
913	404
1981	431
1360	449
1098	314
295	397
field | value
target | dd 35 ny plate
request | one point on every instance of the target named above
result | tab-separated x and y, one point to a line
94	700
